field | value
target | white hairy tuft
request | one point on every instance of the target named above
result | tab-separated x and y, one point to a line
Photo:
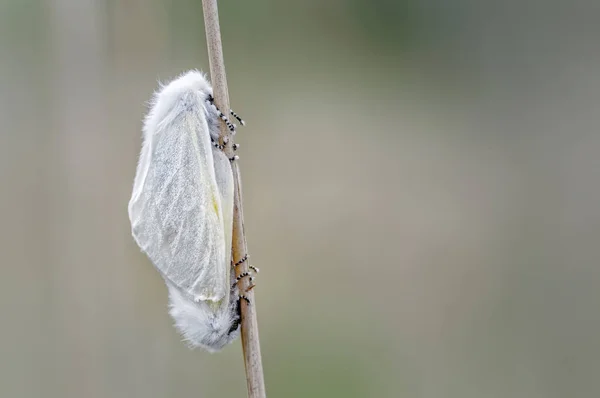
200	325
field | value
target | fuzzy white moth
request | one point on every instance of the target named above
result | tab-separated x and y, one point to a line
181	211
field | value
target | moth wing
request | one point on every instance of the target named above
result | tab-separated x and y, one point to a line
175	210
224	177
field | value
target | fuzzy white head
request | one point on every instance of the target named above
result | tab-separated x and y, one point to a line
181	210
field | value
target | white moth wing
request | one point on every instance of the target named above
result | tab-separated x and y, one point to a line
176	209
224	177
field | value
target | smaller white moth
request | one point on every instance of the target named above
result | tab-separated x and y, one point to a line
181	210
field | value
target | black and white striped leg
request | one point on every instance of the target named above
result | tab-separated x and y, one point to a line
252	285
222	116
221	147
243	275
242	261
242	297
216	144
235	115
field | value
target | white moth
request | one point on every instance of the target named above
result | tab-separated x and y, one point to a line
181	210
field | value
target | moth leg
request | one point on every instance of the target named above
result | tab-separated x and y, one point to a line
245	274
242	297
216	144
242	276
221	147
235	115
222	116
242	261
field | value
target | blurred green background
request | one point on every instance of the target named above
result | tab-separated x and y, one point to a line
421	185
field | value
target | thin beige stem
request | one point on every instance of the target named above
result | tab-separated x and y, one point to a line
250	341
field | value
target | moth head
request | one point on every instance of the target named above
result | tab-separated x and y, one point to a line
187	91
193	80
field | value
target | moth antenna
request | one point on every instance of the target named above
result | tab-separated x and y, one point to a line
252	267
235	115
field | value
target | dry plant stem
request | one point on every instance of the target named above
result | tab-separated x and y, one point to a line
250	340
